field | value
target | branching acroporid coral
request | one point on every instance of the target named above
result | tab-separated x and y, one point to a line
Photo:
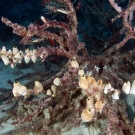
86	90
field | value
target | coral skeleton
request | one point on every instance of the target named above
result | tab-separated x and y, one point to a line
86	91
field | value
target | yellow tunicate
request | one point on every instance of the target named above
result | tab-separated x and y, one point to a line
89	102
100	85
93	82
87	115
99	105
88	78
83	83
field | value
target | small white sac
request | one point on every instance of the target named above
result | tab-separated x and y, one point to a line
10	52
56	81
15	60
15	50
18	55
27	59
5	59
115	95
81	72
38	87
27	50
132	90
12	65
49	92
54	90
34	58
126	87
107	87
3	49
19	89
74	64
